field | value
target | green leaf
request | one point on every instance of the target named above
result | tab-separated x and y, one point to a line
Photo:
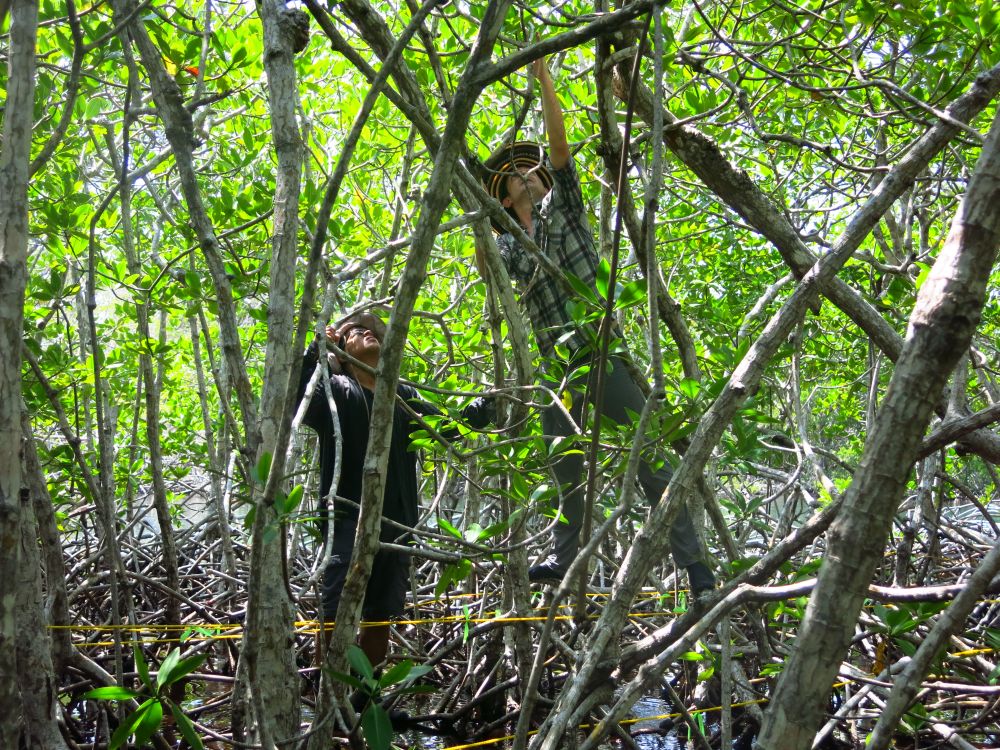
495	529
631	293
186	726
446	525
134	721
347	679
899	289
182	668
453	573
419	671
95	107
111	693
293	499
122	733
397	674
168	665
149	722
586	293
689	387
193	282
922	276
376	727
263	468
520	486
359	662
603	277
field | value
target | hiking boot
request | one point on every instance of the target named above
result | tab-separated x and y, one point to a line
546	572
701	580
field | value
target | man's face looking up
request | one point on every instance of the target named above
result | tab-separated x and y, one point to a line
360	342
524	182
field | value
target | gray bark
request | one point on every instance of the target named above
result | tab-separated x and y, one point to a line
947	312
151	385
215	467
36	677
15	152
56	605
651	542
270	614
179	130
434	202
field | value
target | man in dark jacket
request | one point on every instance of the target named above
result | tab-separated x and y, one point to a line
352	386
541	192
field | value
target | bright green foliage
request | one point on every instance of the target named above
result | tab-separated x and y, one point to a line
145	720
375	724
811	103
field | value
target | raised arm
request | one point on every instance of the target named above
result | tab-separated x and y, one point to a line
555	126
317	415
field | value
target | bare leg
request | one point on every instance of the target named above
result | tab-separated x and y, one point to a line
374	641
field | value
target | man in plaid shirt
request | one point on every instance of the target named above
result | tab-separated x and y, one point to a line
543	196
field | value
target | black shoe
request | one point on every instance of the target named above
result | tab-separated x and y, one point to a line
701	580
546	572
359	701
399	718
698	596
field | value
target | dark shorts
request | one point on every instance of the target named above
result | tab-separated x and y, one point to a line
387	586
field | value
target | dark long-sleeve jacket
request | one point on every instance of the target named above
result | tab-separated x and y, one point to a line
354	405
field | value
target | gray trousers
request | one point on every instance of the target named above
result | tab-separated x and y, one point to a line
620	393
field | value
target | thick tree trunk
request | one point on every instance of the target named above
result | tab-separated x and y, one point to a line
15	151
270	640
38	684
53	569
946	314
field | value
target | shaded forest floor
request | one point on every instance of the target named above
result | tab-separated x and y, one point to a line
467	638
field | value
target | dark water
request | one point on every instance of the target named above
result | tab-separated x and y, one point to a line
655	707
649	706
646	707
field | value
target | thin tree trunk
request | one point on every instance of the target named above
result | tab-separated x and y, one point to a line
435	200
150	384
179	130
215	468
15	152
946	314
651	542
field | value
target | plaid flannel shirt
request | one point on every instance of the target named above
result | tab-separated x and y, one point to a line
563	234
